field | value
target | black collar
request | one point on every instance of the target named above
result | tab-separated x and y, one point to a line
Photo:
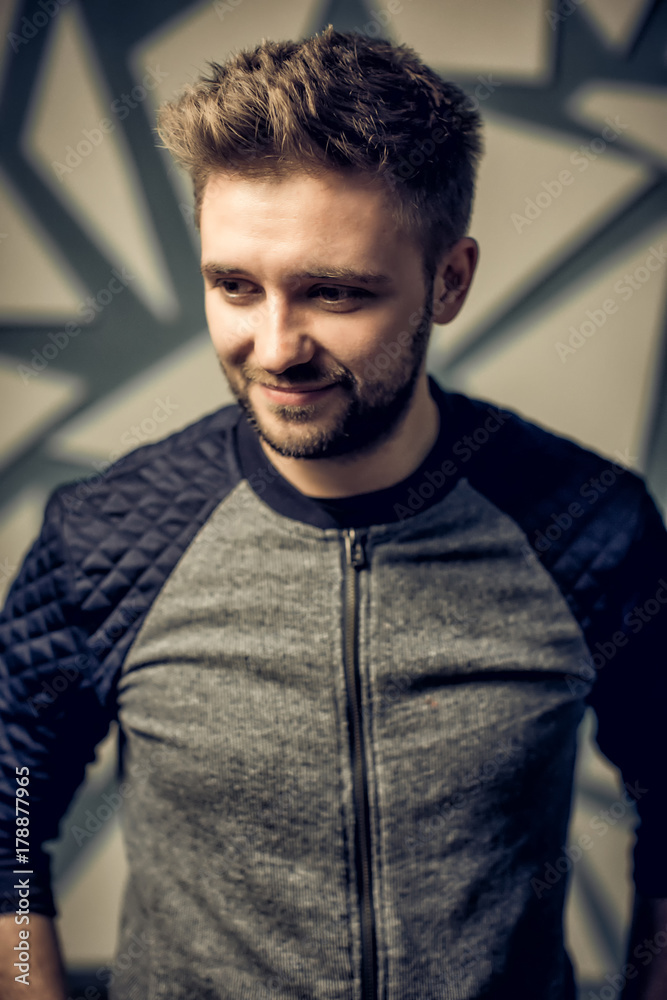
426	486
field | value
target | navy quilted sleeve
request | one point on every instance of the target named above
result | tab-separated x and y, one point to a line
50	716
627	639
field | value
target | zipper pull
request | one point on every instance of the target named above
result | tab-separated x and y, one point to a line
354	549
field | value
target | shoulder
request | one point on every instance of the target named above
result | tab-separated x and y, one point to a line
109	542
196	460
580	511
518	464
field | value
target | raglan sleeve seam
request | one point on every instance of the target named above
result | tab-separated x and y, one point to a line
49	702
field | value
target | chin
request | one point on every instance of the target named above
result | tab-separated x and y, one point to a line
311	444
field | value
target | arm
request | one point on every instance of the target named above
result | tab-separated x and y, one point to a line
646	969
629	697
45	978
50	722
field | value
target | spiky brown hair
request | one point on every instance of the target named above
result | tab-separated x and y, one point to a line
337	101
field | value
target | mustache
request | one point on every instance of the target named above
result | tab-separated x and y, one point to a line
305	374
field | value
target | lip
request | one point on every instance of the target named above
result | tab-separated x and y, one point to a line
295	397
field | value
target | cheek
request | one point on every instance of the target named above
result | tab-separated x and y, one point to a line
389	353
230	336
211	310
353	347
391	332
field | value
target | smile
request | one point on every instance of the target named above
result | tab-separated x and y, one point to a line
296	397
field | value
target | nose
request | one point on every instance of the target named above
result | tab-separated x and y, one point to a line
281	340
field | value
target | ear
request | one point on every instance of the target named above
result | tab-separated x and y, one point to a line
453	275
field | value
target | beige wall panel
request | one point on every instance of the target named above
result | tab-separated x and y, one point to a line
35	282
170	395
74	137
526	220
586	367
508	37
642	112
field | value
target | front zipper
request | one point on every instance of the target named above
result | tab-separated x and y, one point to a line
355	560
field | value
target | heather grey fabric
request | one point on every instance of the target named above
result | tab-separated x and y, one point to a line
239	811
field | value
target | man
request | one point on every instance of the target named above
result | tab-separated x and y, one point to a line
347	669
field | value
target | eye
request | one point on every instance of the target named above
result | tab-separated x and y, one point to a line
235	288
338	294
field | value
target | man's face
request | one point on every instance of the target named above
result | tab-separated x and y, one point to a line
317	306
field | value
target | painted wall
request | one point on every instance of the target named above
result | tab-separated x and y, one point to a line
565	322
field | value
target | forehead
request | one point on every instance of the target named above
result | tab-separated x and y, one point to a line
344	219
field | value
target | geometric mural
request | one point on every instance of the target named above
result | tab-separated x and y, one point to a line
101	299
89	168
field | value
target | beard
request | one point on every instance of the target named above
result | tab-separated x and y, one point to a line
373	407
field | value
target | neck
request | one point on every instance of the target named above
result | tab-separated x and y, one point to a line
395	458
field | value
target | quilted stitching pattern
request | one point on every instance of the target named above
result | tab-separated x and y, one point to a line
75	607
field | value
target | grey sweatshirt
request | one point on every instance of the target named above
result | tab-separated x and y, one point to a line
349	727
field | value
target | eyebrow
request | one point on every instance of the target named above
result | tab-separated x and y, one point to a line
347	274
212	269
